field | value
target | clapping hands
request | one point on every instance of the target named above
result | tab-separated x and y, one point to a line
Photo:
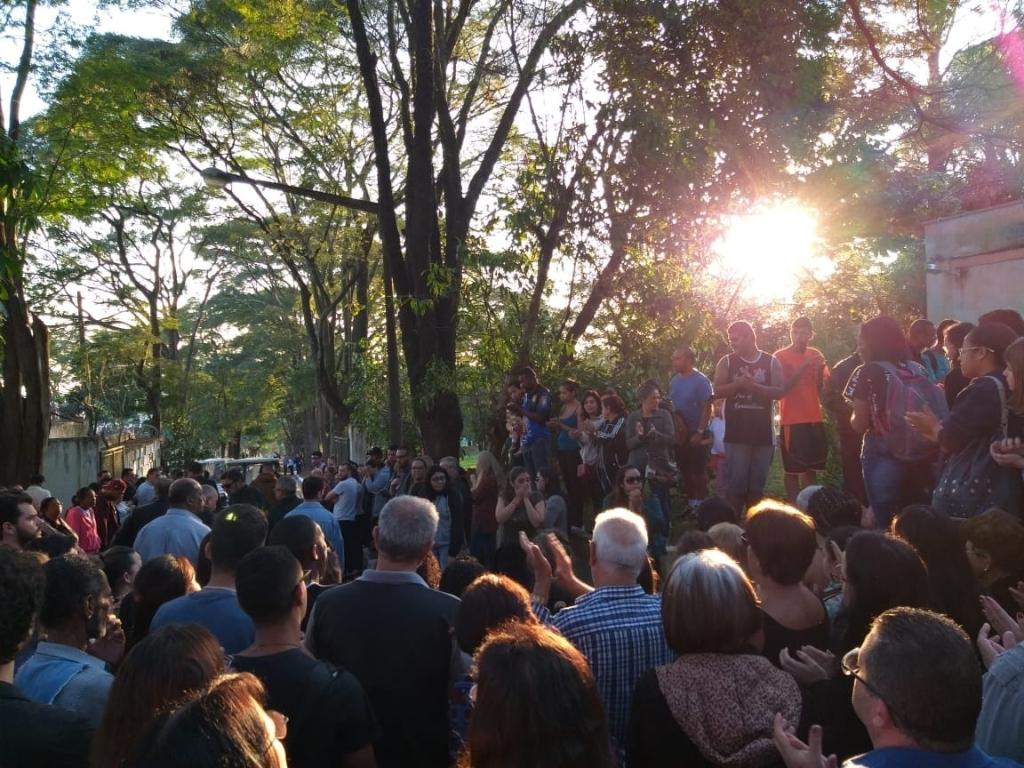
1008	453
811	665
797	754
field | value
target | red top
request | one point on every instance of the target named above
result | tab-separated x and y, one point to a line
83	522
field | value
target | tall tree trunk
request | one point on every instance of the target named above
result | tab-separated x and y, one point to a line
25	391
25	416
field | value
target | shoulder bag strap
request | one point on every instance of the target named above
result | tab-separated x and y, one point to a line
1004	410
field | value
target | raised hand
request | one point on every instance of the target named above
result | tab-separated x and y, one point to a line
925	422
1000	620
110	647
810	666
1017	593
992	646
794	752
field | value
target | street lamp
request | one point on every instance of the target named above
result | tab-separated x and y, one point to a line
215	178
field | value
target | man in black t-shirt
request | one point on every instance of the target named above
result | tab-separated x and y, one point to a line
849	441
329	717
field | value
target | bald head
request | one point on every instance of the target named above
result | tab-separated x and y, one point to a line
184	493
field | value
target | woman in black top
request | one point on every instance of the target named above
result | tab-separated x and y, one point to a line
782	545
952	586
879	572
994	544
971	481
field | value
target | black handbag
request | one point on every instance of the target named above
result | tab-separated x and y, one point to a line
971	482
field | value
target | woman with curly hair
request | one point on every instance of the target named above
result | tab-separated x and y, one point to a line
537	704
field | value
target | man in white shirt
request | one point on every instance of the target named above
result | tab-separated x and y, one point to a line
345	497
37	492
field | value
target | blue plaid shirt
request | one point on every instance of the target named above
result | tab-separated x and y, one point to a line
619	630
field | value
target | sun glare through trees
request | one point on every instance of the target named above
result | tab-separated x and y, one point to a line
767	251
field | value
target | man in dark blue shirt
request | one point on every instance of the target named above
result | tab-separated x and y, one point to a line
917	689
535	408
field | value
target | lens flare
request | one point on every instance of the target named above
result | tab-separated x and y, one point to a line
767	252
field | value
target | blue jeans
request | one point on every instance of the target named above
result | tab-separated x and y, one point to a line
657	523
892	484
537	456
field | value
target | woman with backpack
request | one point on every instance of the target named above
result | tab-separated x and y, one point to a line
899	463
971	481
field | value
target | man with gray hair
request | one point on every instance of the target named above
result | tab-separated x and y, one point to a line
211	500
615	624
394	634
286	498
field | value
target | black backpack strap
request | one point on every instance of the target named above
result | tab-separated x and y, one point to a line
316	684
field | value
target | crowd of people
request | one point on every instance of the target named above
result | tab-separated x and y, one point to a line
613	590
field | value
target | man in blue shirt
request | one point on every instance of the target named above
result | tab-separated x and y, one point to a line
237	531
535	407
312	491
179	531
690	393
75	618
616	625
917	690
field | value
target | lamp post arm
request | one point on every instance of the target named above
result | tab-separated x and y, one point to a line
218	178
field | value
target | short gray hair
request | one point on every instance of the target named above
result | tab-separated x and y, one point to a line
406	528
209	492
287	484
620	538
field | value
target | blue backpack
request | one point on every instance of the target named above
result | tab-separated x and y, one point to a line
908	389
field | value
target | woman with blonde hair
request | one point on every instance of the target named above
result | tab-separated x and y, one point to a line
490	479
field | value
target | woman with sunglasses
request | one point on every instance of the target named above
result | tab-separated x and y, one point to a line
971	481
629	493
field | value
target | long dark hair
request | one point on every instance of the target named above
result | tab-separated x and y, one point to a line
509	491
431	494
618	496
882	572
222	725
537	704
158	672
159	580
953	588
552	482
884	340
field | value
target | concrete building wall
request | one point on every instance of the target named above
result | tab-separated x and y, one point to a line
975	262
69	464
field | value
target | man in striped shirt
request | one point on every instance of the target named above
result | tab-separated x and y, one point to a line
615	624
